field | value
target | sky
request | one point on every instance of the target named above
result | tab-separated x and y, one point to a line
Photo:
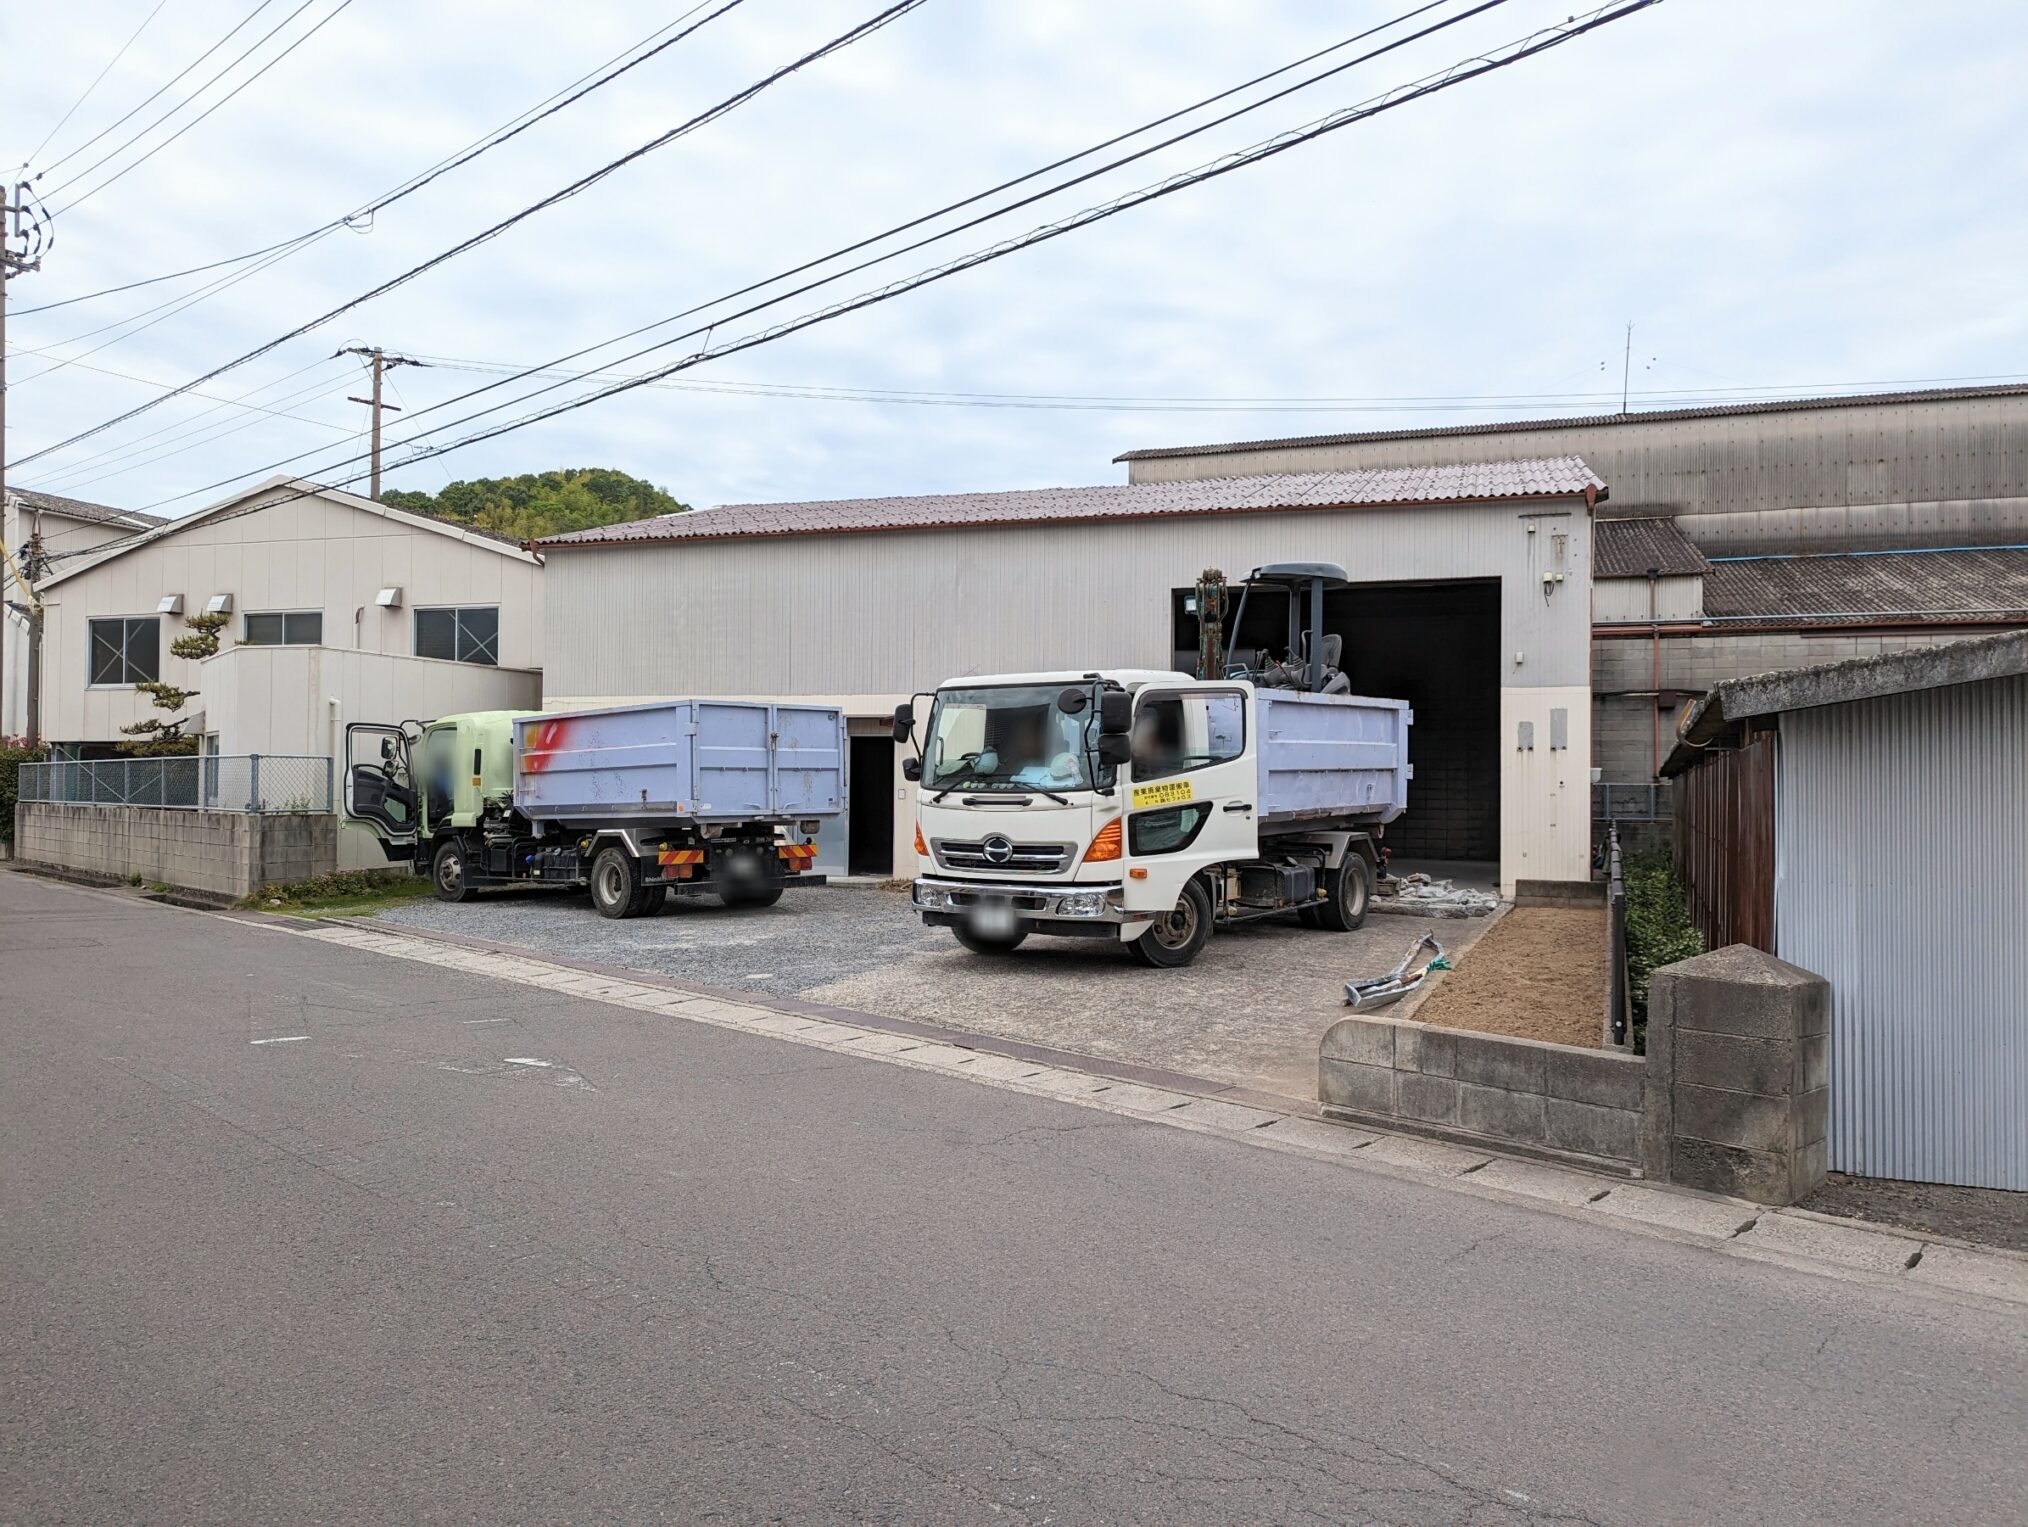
1779	197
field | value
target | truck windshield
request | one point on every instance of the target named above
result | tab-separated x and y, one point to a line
1006	737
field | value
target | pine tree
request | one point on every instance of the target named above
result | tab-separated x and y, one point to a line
155	737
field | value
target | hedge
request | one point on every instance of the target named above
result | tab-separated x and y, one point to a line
12	757
1659	930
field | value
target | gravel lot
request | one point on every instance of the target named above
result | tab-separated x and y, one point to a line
1250	1011
807	939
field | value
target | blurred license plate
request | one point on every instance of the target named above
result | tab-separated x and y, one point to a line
995	919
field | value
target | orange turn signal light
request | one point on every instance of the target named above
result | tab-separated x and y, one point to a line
921	847
1137	873
1105	844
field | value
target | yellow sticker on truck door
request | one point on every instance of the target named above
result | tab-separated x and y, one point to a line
1169	792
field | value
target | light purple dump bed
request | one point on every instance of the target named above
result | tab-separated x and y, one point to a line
711	760
1331	756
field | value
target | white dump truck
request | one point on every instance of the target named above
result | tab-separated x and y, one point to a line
1149	807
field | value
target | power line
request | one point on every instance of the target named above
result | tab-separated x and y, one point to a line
133	165
510	129
136	37
916	222
845	39
146	101
1461	73
1188	403
1485	63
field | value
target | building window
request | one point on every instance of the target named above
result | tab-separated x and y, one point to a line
1176	733
126	651
284	628
464	636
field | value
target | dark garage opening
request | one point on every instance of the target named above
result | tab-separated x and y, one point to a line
1437	646
869	846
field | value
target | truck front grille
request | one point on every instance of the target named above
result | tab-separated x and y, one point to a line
1034	858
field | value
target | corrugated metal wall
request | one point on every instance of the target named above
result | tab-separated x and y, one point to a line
1901	849
1943	451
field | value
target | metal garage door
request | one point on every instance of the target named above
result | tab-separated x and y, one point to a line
1901	876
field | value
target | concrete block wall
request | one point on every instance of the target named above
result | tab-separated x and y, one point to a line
222	853
1739	1075
1551	1100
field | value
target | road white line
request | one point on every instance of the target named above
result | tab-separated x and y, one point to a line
283	1039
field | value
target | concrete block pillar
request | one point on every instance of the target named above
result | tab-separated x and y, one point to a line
1738	1081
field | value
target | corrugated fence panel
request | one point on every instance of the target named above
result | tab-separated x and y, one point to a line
1901	850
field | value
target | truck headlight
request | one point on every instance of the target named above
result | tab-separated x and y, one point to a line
1081	904
930	897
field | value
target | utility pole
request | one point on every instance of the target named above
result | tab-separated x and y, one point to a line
381	363
24	233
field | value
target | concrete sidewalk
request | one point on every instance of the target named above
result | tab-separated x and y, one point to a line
1733	1227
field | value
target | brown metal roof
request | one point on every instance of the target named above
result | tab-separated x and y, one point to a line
1555	477
1636	548
78	509
1862	588
1591	421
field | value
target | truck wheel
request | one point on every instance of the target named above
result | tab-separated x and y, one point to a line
447	872
1350	888
766	898
615	882
978	945
1175	940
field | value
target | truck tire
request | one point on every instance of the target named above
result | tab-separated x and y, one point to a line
991	946
447	872
649	900
615	882
766	898
1349	891
1175	940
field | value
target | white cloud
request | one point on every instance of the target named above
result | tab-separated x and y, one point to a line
1821	191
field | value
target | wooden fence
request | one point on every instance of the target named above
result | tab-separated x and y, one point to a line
1725	843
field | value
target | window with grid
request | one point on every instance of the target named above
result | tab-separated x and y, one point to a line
469	635
126	651
284	628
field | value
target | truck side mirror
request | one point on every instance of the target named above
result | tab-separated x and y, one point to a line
387	750
904	722
1116	713
1115	748
911	770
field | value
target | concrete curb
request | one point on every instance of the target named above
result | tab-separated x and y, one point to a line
1930	1266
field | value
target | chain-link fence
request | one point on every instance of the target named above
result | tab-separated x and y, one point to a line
264	782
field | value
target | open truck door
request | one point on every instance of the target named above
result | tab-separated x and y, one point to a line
379	787
1190	807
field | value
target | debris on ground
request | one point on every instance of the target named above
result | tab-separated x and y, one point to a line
1423	896
1539	973
1989	1216
1383	991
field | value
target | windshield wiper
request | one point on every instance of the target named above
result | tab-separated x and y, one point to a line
964	781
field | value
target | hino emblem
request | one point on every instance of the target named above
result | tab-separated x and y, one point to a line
997	850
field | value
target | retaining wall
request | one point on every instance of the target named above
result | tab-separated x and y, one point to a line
1542	1099
223	853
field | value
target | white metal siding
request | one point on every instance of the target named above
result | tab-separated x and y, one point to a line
1901	876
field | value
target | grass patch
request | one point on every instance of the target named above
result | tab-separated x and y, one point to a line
348	893
1659	930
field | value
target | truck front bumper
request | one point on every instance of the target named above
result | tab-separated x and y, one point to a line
1079	911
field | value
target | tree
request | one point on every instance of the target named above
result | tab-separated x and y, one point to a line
540	504
155	737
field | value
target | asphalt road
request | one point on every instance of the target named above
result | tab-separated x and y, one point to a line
395	1270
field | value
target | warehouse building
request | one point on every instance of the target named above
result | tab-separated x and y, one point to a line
1472	600
1742	538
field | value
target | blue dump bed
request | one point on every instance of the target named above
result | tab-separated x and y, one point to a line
1331	758
709	760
